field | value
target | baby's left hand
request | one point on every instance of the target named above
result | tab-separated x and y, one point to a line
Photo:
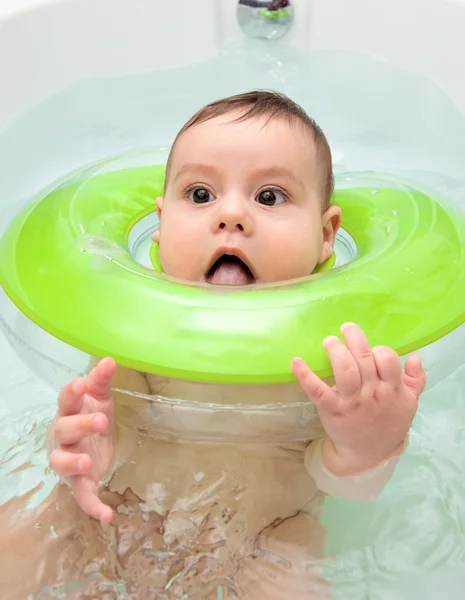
368	412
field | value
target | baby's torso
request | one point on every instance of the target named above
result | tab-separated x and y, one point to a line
203	499
217	475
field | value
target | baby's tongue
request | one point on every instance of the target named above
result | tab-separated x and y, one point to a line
230	271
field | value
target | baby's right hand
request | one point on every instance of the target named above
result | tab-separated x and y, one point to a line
83	437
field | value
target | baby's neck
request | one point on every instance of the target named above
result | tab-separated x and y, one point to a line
208	412
226	394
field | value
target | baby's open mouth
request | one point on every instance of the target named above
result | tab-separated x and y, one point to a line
229	270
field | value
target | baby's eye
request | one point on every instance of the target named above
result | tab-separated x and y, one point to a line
201	196
270	197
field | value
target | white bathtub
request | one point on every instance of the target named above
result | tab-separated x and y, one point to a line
46	46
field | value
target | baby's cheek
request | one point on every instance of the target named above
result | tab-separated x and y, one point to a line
294	264
183	266
302	252
177	253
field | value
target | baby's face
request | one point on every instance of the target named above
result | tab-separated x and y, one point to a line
243	204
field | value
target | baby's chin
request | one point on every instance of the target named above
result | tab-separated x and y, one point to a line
227	269
235	273
224	276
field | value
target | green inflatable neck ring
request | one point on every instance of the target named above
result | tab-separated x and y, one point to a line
65	263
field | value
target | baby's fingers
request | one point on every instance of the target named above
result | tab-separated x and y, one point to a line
100	379
66	464
415	376
346	372
85	492
70	398
322	396
357	343
388	365
72	429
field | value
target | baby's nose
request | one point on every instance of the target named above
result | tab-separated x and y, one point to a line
230	225
234	214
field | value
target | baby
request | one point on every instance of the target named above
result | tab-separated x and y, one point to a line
246	201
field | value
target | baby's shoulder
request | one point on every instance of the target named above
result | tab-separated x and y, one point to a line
131	380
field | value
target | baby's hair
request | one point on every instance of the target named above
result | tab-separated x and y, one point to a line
273	105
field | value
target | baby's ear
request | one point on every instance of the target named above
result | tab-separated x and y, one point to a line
156	233
330	222
159	203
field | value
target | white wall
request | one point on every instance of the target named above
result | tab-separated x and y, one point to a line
424	36
46	45
57	43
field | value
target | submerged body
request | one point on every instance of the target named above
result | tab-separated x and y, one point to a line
241	515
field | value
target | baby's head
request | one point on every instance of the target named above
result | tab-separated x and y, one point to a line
247	194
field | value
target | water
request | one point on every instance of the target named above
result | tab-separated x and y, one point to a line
26	407
409	543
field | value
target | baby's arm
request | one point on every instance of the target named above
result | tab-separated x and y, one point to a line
366	415
82	437
362	486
